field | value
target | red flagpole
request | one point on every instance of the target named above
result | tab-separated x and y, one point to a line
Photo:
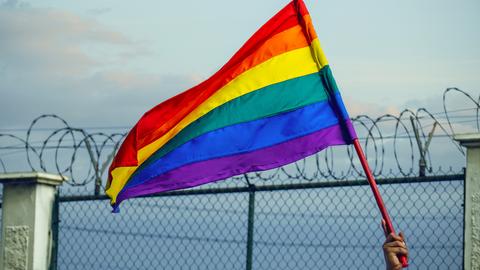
358	148
376	194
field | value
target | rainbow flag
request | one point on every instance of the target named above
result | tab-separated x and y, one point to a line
274	102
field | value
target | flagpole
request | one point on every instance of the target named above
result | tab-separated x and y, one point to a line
376	194
321	62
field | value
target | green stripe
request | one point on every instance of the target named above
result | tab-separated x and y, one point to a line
271	100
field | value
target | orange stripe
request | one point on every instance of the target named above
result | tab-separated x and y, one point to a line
288	40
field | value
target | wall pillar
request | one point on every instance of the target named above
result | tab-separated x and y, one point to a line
471	258
26	219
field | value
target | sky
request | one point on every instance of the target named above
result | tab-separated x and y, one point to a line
105	63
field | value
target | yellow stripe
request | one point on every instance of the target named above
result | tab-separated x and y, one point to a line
318	54
120	175
280	68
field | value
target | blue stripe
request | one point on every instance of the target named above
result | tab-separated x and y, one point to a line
242	138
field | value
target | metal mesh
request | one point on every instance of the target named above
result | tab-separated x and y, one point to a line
1	210
293	228
333	225
193	232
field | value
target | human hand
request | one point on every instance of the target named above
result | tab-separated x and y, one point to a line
393	247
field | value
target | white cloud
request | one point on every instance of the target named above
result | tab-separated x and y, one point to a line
99	11
54	61
52	42
358	107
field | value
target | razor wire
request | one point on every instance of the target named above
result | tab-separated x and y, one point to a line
402	136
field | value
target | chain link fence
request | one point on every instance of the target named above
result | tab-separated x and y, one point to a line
301	216
316	225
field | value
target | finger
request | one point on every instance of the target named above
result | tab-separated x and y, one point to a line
397	250
402	236
389	238
396	238
392	237
389	249
395	244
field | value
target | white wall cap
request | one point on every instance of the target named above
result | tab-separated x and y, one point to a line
468	139
32	177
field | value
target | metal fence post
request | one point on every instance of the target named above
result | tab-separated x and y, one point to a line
471	245
55	224
251	215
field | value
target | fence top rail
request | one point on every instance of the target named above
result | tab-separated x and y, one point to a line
278	187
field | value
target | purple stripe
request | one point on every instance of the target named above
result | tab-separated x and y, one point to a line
217	169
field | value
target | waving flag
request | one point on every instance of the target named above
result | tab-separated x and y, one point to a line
273	103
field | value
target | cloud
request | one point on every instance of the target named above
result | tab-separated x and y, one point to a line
106	98
51	42
13	4
356	107
54	61
99	11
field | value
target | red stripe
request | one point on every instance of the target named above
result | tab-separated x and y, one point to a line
166	115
